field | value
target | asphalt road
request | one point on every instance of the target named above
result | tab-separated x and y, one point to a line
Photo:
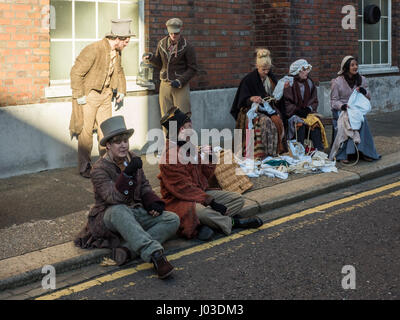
344	245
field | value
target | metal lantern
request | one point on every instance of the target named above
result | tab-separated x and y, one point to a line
145	76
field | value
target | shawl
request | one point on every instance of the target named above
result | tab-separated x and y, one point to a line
307	92
313	121
251	85
182	186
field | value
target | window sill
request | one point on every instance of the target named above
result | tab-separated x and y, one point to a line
366	70
64	90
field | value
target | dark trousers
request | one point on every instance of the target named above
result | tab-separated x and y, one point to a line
315	136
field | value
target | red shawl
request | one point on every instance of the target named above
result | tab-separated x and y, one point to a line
182	185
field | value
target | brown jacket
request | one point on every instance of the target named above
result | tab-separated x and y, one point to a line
89	73
182	185
112	187
91	68
182	67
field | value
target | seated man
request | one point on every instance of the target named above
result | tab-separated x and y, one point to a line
126	207
184	183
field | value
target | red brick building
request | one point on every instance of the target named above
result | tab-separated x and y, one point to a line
225	33
39	40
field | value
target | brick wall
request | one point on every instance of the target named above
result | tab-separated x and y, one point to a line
222	32
305	29
24	52
272	21
225	34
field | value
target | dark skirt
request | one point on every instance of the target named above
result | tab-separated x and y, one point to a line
365	147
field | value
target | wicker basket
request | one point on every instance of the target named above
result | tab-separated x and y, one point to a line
227	177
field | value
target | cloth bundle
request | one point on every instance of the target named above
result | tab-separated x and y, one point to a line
252	113
359	106
280	167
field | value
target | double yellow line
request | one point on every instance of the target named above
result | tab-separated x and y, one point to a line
146	266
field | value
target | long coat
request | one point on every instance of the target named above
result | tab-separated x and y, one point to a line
112	187
182	186
182	67
89	73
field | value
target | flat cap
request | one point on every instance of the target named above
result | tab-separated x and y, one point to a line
174	25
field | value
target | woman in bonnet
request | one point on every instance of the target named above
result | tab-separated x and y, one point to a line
341	89
254	90
301	103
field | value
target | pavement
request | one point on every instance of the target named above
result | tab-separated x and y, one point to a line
41	213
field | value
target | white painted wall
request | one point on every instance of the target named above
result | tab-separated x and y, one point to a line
36	137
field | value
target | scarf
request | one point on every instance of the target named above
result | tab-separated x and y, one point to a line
172	48
352	81
303	102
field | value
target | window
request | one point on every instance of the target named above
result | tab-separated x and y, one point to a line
76	23
374	49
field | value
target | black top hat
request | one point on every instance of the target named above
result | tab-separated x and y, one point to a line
372	14
175	114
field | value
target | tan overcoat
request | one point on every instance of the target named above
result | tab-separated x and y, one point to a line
89	73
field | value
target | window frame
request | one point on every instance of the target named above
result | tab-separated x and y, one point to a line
62	88
381	67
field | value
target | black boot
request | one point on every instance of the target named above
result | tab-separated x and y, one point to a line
205	233
247	223
86	173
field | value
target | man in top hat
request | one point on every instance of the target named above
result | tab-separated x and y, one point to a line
176	58
184	185
126	208
96	73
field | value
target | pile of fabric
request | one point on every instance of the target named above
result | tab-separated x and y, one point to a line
280	167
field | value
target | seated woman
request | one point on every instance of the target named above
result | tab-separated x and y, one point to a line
255	88
341	89
301	102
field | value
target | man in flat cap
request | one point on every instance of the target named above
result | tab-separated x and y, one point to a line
126	207
97	72
176	58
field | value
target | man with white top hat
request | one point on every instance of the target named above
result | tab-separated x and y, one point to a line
176	58
97	72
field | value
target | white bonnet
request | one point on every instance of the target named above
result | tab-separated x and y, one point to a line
296	66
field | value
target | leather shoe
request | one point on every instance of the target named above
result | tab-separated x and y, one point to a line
247	223
86	173
161	264
368	159
205	233
120	255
